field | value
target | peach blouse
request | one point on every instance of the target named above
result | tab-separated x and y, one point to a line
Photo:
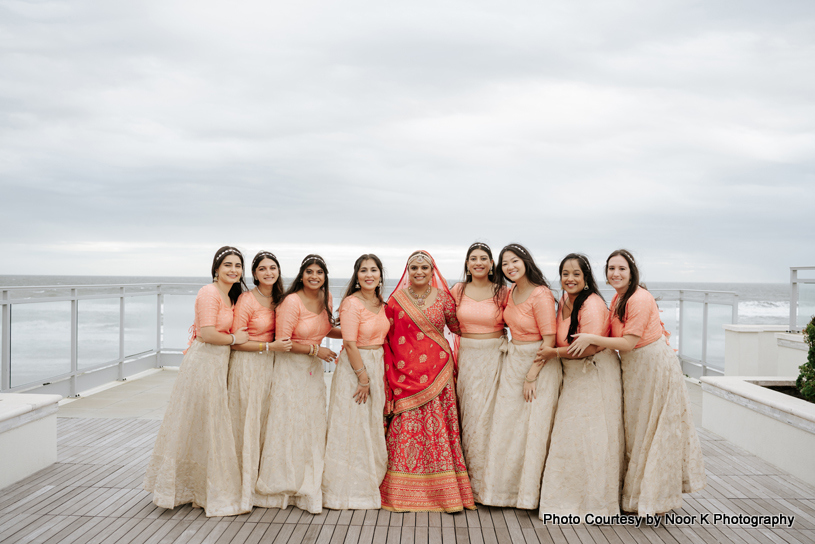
361	325
477	317
211	311
535	318
592	318
258	319
295	321
641	318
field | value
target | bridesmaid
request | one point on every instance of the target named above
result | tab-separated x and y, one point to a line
356	456
251	366
584	466
527	391
480	301
291	468
664	458
194	459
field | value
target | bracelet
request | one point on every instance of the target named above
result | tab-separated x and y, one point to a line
233	339
533	380
267	346
260	346
365	384
557	351
360	371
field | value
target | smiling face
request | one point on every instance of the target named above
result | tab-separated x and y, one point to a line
618	273
512	266
479	264
420	274
313	277
369	275
266	273
572	279
231	269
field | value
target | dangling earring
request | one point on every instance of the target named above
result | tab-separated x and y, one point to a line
356	285
586	287
215	278
380	282
469	275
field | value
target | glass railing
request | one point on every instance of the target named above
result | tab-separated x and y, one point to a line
79	337
802	296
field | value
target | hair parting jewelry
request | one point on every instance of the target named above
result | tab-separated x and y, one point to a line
420	257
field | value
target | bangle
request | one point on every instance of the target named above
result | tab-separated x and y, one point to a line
359	371
233	339
365	384
557	351
260	346
533	380
267	346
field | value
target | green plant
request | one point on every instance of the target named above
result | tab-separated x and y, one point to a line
806	380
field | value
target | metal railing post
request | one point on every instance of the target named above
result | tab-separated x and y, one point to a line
735	314
74	340
159	315
681	344
793	299
5	344
704	334
121	365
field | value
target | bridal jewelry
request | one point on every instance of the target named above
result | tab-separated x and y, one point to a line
261	293
419	299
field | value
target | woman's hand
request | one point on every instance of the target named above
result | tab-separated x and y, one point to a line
284	344
241	336
544	354
581	341
326	354
530	390
362	392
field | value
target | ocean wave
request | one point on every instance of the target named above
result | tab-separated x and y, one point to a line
764	308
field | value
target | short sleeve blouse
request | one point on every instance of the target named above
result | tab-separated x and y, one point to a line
477	317
362	326
211	311
641	318
534	318
293	320
592	318
258	319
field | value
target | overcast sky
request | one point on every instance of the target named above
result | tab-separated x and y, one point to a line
138	137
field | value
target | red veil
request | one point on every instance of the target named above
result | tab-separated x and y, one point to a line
418	359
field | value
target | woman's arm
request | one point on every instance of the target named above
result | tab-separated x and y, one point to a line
211	336
530	380
546	353
364	382
583	340
277	345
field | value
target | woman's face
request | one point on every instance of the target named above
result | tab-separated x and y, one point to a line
571	278
267	272
369	275
313	277
231	269
479	264
512	266
420	274
618	273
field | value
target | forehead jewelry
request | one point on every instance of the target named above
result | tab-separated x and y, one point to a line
420	258
479	245
314	258
260	256
227	251
516	246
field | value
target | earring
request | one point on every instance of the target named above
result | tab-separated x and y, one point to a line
469	274
608	282
356	285
215	278
380	282
586	287
491	269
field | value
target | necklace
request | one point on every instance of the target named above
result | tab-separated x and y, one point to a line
419	299
261	293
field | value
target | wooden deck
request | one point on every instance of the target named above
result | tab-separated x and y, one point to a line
93	495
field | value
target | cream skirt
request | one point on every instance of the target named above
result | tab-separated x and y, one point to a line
479	367
291	465
249	386
584	468
519	435
194	459
662	448
356	457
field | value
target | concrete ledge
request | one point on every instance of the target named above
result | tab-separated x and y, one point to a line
776	427
791	340
754	328
28	435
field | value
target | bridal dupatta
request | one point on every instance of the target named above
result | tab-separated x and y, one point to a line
418	358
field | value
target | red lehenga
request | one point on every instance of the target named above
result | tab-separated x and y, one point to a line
426	470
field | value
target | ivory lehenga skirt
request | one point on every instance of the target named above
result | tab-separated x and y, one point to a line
291	465
249	386
519	436
194	459
356	456
584	466
479	368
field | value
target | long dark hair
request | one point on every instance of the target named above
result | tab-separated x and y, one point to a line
533	273
298	284
498	283
239	286
277	287
591	285
632	286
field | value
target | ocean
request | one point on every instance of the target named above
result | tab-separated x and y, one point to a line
41	333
